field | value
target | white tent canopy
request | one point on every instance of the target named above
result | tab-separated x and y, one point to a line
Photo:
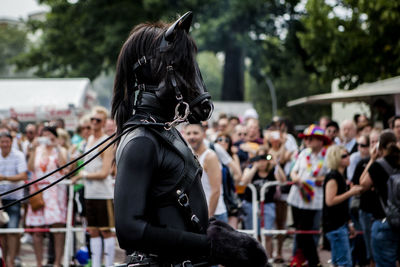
364	93
46	99
30	93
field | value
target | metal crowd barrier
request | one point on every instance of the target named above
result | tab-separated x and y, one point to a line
68	230
254	203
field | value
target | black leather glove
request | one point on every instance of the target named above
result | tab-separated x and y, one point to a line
232	248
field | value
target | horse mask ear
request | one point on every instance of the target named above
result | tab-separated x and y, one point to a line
183	23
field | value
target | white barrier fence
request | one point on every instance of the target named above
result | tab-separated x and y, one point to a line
70	229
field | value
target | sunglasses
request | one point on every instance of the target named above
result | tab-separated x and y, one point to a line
345	155
97	120
363	145
86	128
242	134
223	139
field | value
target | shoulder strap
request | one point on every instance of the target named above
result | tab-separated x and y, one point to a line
192	169
178	144
385	165
389	170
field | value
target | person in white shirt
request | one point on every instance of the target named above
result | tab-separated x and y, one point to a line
212	174
99	192
306	196
13	170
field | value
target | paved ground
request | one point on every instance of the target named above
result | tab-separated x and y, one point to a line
28	257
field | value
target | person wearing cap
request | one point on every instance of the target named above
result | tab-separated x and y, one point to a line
306	196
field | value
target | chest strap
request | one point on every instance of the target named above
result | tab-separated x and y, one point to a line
192	169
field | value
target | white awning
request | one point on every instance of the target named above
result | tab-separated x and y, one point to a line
39	93
364	93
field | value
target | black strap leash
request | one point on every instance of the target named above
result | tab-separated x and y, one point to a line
74	170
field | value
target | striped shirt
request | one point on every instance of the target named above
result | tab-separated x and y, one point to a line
14	163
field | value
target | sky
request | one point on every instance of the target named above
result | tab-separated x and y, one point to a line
16	9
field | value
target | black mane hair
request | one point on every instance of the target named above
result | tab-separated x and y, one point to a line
144	40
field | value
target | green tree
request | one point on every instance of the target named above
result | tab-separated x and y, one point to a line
281	59
211	69
231	26
13	41
355	41
84	38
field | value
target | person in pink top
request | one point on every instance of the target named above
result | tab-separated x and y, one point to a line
45	156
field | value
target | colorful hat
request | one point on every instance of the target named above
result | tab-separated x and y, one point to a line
315	131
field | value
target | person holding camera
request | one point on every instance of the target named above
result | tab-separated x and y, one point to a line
45	156
384	238
264	169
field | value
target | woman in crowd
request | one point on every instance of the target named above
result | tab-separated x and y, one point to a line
45	156
276	142
384	239
368	200
229	180
264	169
336	216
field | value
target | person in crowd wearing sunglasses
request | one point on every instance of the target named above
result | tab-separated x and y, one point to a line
264	169
362	153
336	215
99	192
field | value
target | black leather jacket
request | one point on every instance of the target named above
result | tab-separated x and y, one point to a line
146	168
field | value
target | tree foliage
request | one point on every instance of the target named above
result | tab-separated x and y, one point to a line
355	41
84	38
13	41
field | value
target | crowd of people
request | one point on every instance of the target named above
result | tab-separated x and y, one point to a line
38	149
332	178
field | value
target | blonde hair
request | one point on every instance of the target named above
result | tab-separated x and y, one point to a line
334	156
101	110
63	134
85	119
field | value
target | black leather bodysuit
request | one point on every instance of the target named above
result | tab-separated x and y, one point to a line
146	169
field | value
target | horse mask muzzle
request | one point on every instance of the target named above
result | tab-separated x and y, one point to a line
201	107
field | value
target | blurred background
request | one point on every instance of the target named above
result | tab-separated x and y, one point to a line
261	52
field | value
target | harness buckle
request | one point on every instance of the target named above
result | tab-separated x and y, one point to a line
183	199
187	263
141	61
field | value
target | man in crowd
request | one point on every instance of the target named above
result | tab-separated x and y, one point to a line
98	192
222	124
13	170
348	132
30	134
396	127
332	131
110	127
212	176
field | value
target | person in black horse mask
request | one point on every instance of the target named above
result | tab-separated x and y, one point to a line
161	215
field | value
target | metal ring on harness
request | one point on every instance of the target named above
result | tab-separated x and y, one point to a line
178	118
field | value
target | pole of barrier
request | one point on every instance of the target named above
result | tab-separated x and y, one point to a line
69	235
254	204
264	188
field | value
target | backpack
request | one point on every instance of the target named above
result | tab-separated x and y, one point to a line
231	199
392	207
